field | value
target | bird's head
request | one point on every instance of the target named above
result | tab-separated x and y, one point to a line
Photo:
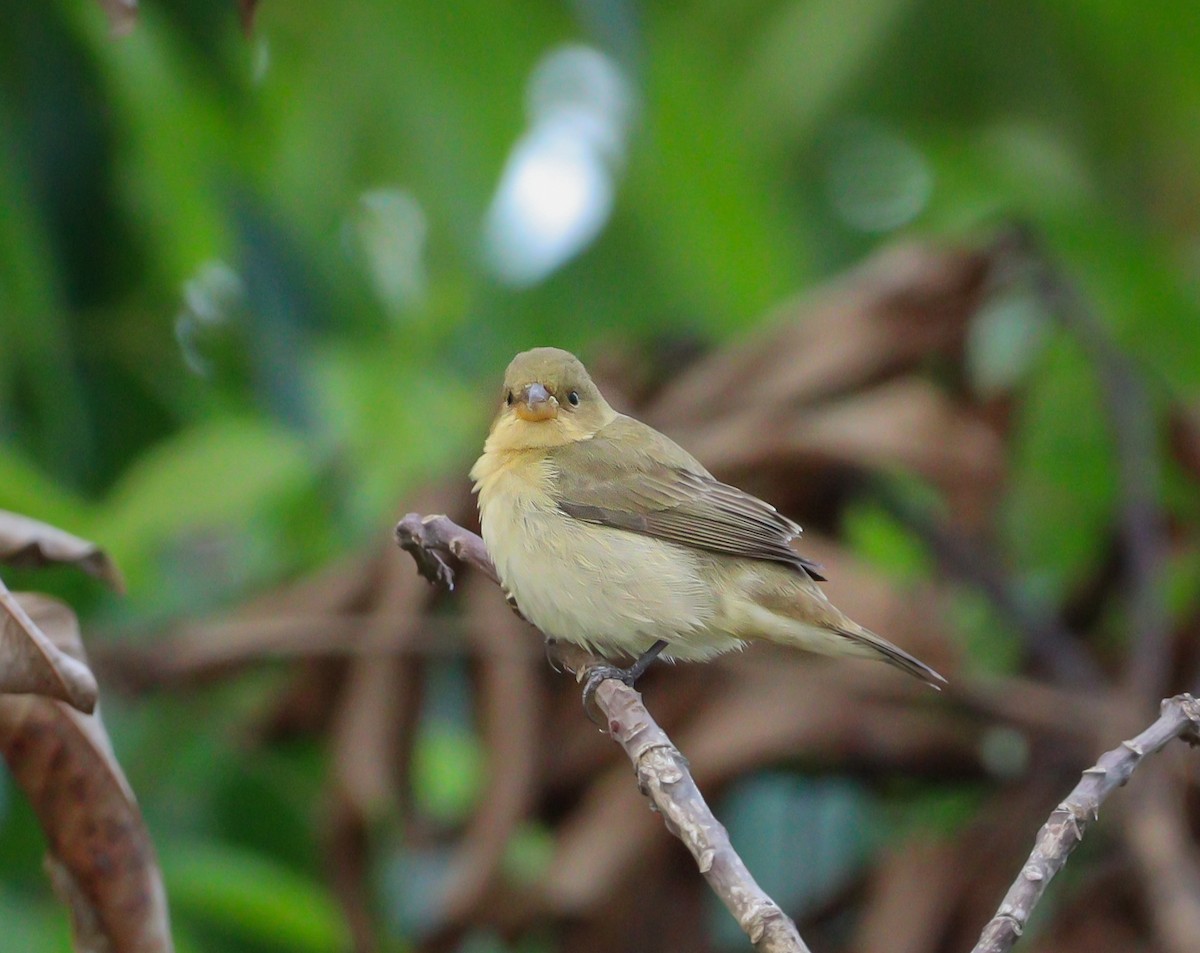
548	400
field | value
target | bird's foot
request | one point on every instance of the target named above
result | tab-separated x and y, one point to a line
629	676
595	675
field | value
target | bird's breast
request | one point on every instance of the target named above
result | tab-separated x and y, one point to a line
589	584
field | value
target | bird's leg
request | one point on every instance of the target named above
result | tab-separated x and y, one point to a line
598	673
638	668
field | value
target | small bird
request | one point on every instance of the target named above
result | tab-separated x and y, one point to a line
609	535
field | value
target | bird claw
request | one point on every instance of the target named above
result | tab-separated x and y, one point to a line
628	676
552	659
601	673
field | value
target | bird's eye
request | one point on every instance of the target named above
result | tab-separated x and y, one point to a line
508	399
573	397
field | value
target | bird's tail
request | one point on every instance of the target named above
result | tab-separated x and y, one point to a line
878	647
803	618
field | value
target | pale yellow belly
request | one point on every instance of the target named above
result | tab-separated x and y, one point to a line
607	589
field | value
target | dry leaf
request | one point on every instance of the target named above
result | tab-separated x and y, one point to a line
368	723
246	13
886	317
122	15
511	715
29	542
63	762
30	661
102	861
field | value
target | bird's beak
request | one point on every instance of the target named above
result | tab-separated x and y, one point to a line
535	403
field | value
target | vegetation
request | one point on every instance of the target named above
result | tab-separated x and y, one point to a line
256	292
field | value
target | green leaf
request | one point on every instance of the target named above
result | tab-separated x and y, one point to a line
447	770
884	542
774	819
253	898
223	473
1059	507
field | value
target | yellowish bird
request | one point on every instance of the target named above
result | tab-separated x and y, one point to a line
609	535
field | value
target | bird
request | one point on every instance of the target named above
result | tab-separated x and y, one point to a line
607	534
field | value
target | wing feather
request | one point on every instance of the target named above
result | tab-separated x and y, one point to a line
631	477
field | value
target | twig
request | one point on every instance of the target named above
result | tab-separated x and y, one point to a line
431	538
1062	833
1049	642
1135	434
662	772
664	777
1131	418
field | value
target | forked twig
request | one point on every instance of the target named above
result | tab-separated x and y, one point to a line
1062	833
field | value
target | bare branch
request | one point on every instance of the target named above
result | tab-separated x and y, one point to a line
1062	833
431	538
1131	418
662	772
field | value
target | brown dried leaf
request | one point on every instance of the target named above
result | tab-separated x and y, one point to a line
122	15
904	423
374	717
102	860
1157	836
321	614
30	661
889	315
29	542
368	723
779	705
247	9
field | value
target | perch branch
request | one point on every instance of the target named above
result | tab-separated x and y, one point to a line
1063	831
430	539
662	772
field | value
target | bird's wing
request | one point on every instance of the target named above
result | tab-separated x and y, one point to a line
631	477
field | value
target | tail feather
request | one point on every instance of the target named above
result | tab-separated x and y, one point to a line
884	650
805	619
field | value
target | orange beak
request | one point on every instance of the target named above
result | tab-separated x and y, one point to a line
536	403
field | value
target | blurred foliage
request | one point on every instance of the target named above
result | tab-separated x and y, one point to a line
244	304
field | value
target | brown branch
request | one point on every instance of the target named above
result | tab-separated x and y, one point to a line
1131	420
662	772
430	539
1048	641
1062	833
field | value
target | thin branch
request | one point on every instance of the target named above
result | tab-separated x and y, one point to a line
1131	418
1048	641
1134	429
662	772
429	539
1063	831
